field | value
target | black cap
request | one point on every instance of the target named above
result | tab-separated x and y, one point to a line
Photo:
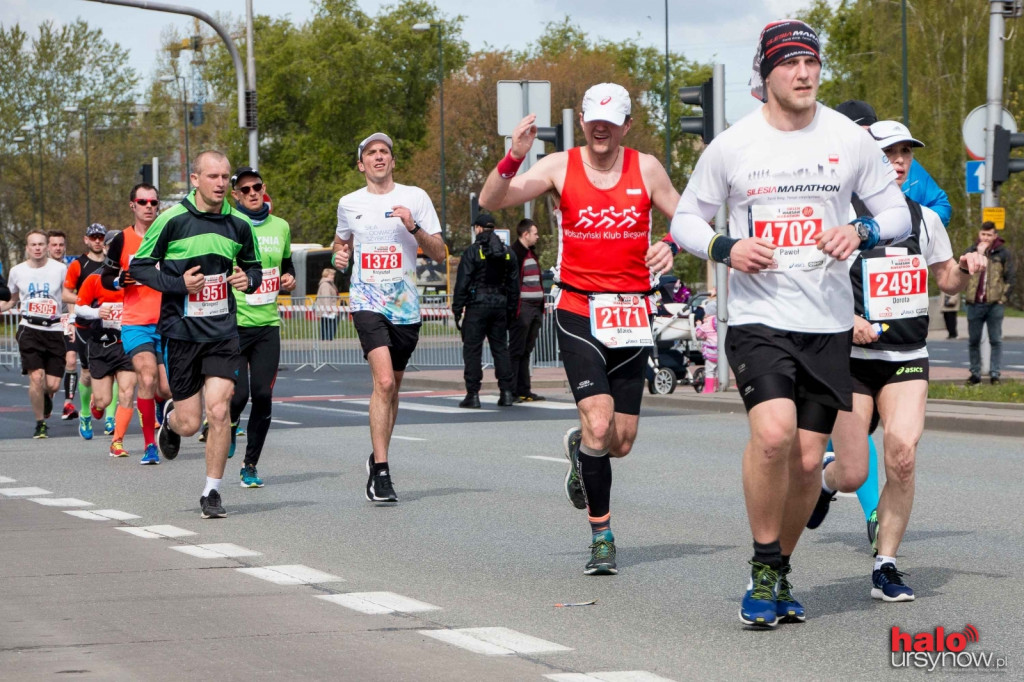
244	170
858	111
484	220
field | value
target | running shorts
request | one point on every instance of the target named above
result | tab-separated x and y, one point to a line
107	358
81	347
41	350
870	376
376	331
142	338
189	363
594	369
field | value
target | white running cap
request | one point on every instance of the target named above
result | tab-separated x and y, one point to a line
888	133
376	137
606	102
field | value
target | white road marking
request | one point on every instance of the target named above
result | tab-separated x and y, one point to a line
560	460
169	531
420	407
494	641
4	479
23	492
217	550
377	603
839	494
336	410
617	676
294	574
138	532
60	502
394	437
542	404
940	362
286	423
83	514
10	384
115	514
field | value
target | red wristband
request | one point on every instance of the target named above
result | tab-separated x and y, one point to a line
508	166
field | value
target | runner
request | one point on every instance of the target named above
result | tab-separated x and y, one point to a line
787	171
139	337
192	253
259	324
101	309
889	363
79	269
56	247
383	224
36	285
606	267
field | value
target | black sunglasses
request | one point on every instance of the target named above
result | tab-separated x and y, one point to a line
147	202
258	187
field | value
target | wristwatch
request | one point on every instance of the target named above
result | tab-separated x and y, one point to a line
862	231
416	228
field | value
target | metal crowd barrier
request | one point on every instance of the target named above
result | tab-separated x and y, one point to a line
9	356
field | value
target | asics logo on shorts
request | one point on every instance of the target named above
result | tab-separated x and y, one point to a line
909	370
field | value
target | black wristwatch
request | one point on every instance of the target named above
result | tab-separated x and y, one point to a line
416	228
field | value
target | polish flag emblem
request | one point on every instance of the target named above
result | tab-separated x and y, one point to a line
833	158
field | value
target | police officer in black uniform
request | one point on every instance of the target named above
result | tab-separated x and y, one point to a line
487	288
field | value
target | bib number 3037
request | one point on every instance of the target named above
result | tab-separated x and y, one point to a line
620	320
211	300
270	287
895	287
793	229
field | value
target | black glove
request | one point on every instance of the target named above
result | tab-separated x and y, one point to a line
458	319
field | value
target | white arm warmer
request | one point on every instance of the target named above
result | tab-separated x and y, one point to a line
891	213
690	229
87	313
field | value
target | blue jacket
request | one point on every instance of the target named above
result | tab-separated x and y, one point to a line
920	187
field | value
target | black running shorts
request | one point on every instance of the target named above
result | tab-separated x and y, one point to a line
810	367
41	350
376	331
107	358
870	376
189	363
81	347
594	369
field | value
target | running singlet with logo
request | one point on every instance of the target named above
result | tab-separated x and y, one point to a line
604	234
141	303
787	187
93	295
383	252
39	293
259	309
78	272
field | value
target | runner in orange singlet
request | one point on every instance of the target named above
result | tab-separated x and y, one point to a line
606	266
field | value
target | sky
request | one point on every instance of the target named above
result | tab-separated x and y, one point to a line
702	30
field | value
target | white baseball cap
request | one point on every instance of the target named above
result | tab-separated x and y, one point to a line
376	137
606	102
888	133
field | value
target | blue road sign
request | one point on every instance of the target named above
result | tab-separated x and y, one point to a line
975	177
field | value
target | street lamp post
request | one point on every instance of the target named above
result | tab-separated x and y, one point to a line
85	152
184	119
421	27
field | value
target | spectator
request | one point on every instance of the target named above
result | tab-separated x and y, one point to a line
524	329
950	307
986	296
326	305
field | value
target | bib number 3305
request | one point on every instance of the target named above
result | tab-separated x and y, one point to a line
620	320
211	300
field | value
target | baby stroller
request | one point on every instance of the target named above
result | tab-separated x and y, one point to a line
676	358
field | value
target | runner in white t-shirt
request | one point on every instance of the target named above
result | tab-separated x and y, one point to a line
380	228
889	363
36	288
787	172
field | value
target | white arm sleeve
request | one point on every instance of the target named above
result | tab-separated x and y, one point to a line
891	213
690	229
87	313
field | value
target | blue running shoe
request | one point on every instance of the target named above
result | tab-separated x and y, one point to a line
239	431
887	584
602	555
108	426
825	498
249	477
758	607
788	609
151	456
85	426
234	439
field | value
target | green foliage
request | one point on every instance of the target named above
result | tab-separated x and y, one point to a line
1009	391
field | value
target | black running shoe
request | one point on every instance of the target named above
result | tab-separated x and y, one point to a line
40	430
48	405
825	498
167	440
378	485
211	506
573	484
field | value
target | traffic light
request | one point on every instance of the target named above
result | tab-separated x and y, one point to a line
699	96
147	173
1002	163
474	207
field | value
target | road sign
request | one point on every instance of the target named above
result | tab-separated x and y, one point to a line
974	130
516	99
995	214
975	177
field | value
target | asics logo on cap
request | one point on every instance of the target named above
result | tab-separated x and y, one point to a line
606	100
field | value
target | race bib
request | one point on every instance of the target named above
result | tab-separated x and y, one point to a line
45	308
792	228
270	287
895	287
66	324
211	300
620	320
116	310
381	263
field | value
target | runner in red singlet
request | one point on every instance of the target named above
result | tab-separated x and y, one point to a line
606	263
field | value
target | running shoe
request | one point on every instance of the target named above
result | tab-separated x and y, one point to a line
529	398
573	485
211	506
825	498
378	486
117	449
160	412
96	413
758	607
239	431
47	405
887	584
234	442
249	477
873	530
788	609
167	440
40	430
151	456
108	426
203	432
85	427
69	412
602	555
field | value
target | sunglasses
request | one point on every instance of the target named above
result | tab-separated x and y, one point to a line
258	187
147	202
95	236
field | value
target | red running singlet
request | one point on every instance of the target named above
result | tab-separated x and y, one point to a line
603	235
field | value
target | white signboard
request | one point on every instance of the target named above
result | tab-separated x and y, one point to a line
516	99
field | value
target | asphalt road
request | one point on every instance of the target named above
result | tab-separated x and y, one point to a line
954	354
484	532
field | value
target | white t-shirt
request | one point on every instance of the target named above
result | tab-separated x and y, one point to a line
791	185
383	252
935	248
39	292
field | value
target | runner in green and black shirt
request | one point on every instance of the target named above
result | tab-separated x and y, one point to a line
193	253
